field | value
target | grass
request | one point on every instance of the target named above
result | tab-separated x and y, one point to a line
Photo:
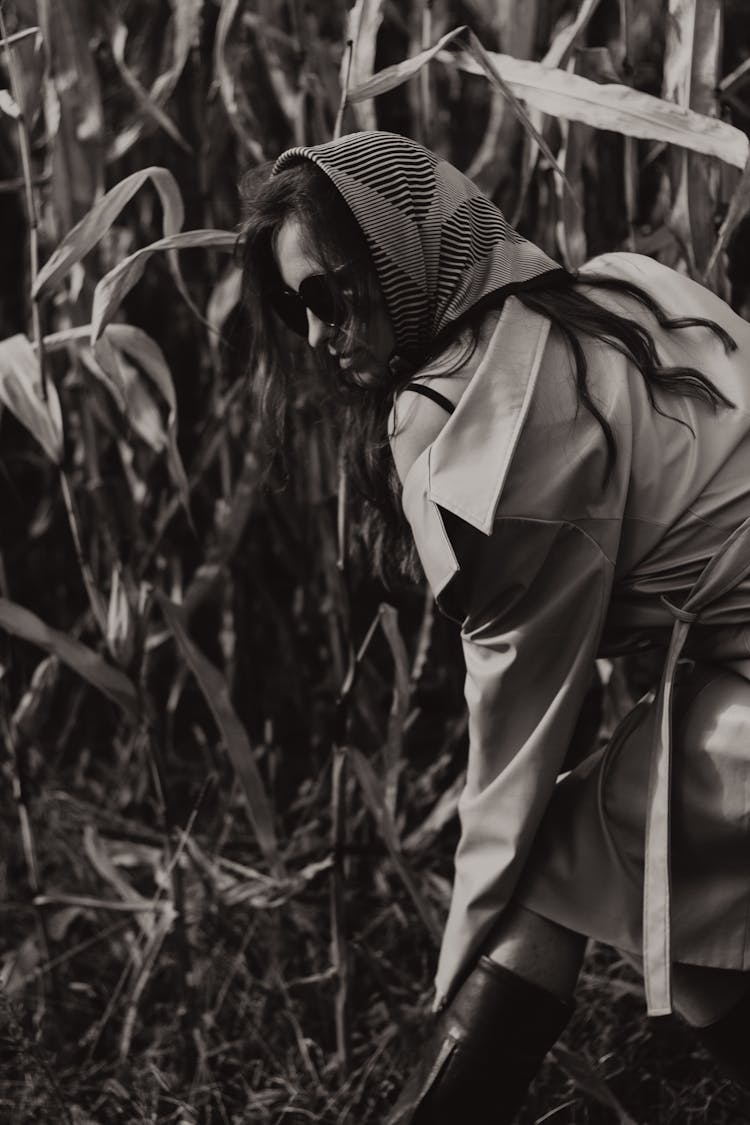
258	1046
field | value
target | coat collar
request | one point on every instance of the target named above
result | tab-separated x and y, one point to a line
467	464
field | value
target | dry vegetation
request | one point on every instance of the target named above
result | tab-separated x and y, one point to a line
225	857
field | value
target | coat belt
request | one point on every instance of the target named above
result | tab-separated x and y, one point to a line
726	569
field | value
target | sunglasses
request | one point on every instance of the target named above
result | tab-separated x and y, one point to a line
316	294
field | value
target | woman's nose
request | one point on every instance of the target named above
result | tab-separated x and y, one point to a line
317	330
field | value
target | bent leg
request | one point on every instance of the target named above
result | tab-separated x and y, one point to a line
491	1039
538	950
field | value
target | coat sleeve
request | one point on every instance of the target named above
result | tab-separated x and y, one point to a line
536	598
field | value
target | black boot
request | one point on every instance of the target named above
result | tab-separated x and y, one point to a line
486	1047
728	1040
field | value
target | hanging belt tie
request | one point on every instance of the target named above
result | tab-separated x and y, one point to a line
726	569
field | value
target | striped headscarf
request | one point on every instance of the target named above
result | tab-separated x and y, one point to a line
438	245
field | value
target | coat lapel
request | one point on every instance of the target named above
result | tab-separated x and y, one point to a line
464	469
469	459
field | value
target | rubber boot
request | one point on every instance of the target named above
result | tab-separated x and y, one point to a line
486	1047
728	1040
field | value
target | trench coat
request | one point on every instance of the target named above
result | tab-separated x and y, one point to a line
546	562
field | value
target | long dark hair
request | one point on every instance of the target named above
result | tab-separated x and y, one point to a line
333	236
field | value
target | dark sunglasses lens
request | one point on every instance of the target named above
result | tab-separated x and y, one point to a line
321	300
291	309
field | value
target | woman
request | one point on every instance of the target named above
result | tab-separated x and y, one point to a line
571	454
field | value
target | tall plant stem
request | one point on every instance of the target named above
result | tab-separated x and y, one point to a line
339	946
344	89
32	214
424	75
95	598
190	1020
21	793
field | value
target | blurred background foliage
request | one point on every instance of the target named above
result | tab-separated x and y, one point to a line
225	856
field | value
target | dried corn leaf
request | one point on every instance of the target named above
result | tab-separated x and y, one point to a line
216	693
148	104
101	861
577	1067
84	236
224	298
611	106
399	705
692	62
88	664
36	702
21	392
145	351
29	53
148	958
186	20
20	965
116	284
227	61
363	23
279	55
738	208
442	813
375	799
482	62
493	161
75	118
577	153
133	398
557	55
565	40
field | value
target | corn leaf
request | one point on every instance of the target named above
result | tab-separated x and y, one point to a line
8	106
224	298
578	151
88	664
186	20
148	105
133	398
86	234
611	106
21	392
399	704
557	55
226	58
279	56
374	797
577	1067
692	61
564	42
216	693
73	105
363	24
101	861
738	208
29	53
516	27
145	351
116	284
484	62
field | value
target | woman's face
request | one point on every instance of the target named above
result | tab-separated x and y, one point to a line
364	354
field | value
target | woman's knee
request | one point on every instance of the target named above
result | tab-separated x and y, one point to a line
537	949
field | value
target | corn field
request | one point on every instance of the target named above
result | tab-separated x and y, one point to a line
231	759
